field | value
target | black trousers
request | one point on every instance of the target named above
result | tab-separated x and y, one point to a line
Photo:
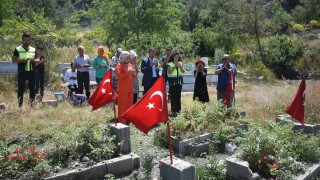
40	81
22	78
83	81
175	96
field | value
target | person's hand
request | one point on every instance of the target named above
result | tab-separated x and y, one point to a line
225	65
153	63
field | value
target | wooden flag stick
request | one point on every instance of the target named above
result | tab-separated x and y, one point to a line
169	141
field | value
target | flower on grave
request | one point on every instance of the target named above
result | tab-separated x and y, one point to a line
160	165
21	157
206	126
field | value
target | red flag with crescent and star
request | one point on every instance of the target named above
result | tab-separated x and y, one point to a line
104	94
229	90
296	106
151	109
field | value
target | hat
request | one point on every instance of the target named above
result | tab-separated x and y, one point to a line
119	50
133	54
123	56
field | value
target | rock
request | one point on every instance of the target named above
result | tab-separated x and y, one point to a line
85	159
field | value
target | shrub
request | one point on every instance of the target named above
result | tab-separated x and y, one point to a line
282	54
314	23
298	27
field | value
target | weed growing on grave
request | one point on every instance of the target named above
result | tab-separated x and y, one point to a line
273	150
211	169
148	165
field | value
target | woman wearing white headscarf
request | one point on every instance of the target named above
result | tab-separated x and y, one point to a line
133	57
125	73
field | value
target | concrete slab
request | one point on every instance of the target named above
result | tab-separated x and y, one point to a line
311	173
197	149
306	128
72	175
122	133
120	166
240	170
178	170
95	172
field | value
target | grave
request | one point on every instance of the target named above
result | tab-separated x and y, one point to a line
178	170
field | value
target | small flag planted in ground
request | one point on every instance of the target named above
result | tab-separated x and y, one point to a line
296	106
151	109
104	94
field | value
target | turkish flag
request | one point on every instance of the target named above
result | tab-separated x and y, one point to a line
104	94
229	90
296	106
151	109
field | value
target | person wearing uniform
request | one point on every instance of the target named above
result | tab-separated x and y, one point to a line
24	56
175	71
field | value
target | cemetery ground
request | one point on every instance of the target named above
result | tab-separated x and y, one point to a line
39	141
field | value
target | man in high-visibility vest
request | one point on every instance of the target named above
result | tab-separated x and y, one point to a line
24	56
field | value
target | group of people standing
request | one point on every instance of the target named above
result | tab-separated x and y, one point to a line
125	70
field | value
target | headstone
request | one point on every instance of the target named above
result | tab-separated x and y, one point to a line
306	128
122	133
178	170
239	169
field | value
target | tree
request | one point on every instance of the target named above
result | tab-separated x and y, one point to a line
125	18
282	54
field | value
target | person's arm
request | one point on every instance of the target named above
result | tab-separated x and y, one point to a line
66	77
89	62
145	67
95	63
15	59
181	67
121	75
219	70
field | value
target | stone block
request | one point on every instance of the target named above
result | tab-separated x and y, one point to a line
72	175
53	103
306	128
178	170
311	173
243	127
242	113
136	160
197	149
95	172
120	166
283	119
2	107
180	146
122	133
240	170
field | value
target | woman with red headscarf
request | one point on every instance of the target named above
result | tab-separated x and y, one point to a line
200	91
101	64
125	72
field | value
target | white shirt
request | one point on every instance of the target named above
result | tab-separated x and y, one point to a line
68	74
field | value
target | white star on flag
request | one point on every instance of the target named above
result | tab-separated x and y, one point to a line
103	91
150	105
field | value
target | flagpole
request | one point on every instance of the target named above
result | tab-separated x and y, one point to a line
114	101
168	125
169	141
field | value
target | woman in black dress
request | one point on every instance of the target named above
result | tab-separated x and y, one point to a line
200	91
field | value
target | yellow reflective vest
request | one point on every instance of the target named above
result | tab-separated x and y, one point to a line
23	54
175	78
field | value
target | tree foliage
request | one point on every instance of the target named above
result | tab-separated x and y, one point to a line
282	54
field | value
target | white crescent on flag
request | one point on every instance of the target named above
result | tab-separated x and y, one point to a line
107	80
161	96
